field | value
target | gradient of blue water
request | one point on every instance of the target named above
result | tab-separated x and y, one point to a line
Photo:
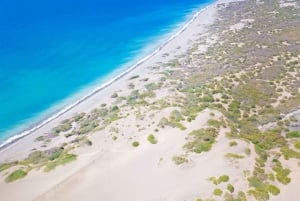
49	50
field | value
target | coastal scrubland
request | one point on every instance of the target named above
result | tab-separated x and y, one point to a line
237	86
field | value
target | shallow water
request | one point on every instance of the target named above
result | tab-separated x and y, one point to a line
50	51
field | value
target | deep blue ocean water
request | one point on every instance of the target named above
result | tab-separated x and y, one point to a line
52	50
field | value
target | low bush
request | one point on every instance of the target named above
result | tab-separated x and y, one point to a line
233	143
201	140
273	190
62	160
178	160
217	181
135	144
235	156
230	188
218	192
282	173
293	134
15	175
5	166
151	138
297	144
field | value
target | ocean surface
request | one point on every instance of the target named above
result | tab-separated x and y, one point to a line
52	52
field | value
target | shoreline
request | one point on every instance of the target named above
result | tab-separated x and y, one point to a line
16	138
174	128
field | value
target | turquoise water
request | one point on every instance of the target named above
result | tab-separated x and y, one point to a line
51	51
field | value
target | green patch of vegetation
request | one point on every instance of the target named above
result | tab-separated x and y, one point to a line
215	123
177	125
293	134
163	122
151	138
201	140
233	143
289	153
61	160
260	195
230	188
178	160
5	166
63	127
247	151
176	116
297	145
221	179
255	92
266	140
281	173
172	123
218	192
257	182
235	156
135	144
15	175
273	190
152	86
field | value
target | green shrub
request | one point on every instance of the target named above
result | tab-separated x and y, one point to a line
282	173
163	122
233	143
201	140
293	134
230	188
55	153
271	177
176	116
63	127
135	144
15	175
223	178
256	182
214	123
218	192
61	160
151	138
235	156
297	145
259	194
178	160
35	157
289	153
266	140
6	166
217	181
273	190
207	98
247	151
